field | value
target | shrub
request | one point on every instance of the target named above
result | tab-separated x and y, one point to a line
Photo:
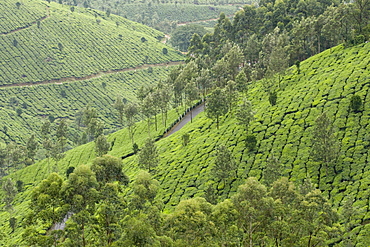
251	142
272	98
356	103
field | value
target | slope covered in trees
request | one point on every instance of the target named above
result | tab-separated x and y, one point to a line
73	42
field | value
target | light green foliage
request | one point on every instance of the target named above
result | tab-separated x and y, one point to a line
324	143
108	169
224	164
148	157
245	114
217	105
101	145
87	49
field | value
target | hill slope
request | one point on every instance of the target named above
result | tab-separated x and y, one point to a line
326	83
73	43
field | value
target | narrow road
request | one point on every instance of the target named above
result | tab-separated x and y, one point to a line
96	75
186	119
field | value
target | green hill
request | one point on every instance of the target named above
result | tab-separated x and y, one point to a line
326	83
74	44
81	56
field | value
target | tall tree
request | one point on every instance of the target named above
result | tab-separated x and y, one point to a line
10	191
325	146
224	164
119	106
217	105
130	111
245	114
148	155
191	94
102	146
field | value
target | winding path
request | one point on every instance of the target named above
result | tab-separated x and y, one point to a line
29	25
96	75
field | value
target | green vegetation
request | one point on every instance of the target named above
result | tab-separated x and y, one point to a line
88	48
164	15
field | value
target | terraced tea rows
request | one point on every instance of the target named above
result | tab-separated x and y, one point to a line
326	83
64	100
78	44
14	17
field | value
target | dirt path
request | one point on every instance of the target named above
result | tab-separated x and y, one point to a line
186	119
96	75
29	25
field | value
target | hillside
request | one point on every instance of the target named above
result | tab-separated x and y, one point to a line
163	15
326	83
63	54
74	43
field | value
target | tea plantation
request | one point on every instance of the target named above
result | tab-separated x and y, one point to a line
326	83
60	42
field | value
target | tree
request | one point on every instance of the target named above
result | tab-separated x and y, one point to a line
191	94
148	110
18	4
10	191
241	82
231	94
224	163
325	146
245	114
60	47
47	203
130	111
182	35
101	145
253	206
148	155
120	107
109	169
217	105
164	51
61	135
251	142
356	103
31	148
272	171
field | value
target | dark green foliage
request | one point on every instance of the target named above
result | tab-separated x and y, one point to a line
185	139
182	35
251	142
12	223
72	9
18	4
356	103
19	185
19	111
273	97
60	47
10	191
298	65
143	39
69	171
15	42
165	51
135	148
